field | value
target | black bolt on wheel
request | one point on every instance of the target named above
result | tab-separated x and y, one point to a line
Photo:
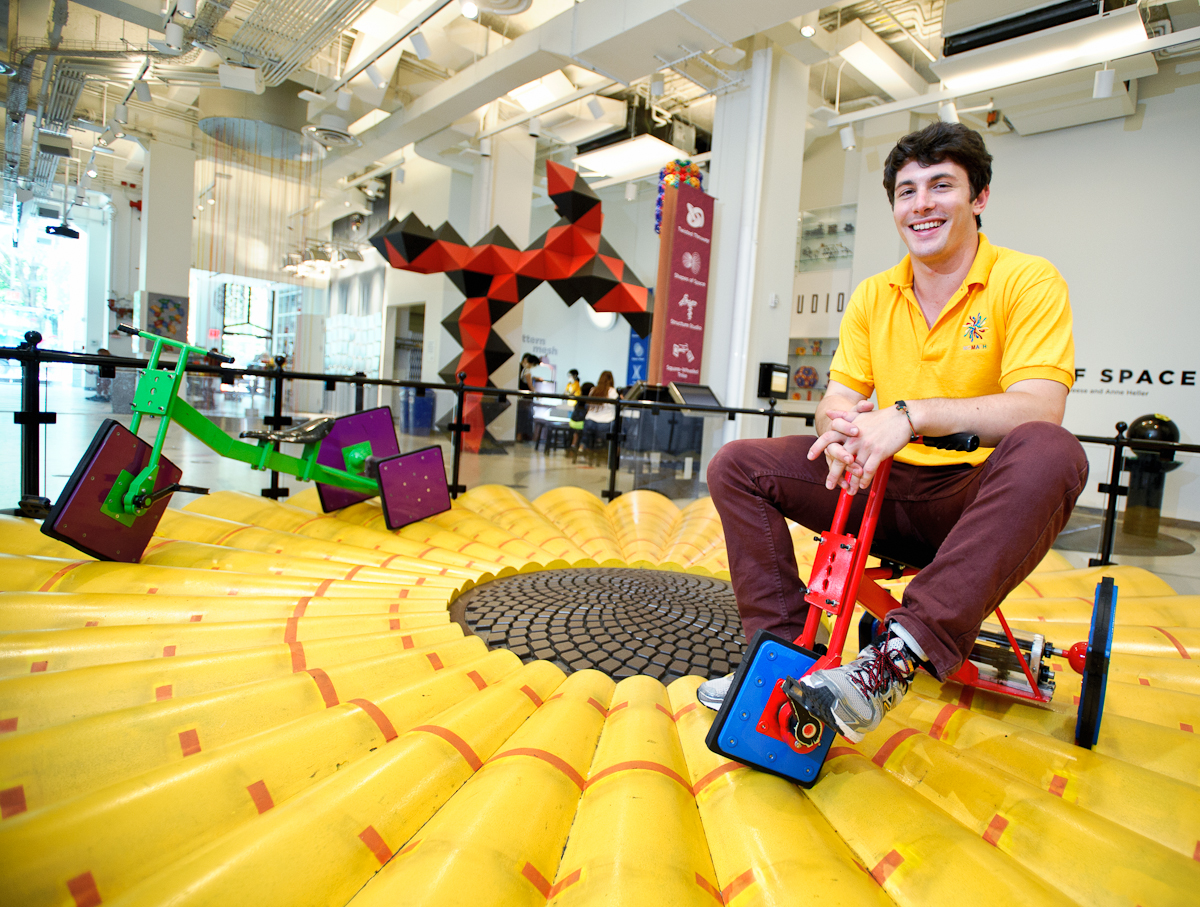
1095	666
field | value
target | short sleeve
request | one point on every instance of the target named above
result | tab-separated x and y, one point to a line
852	360
1038	339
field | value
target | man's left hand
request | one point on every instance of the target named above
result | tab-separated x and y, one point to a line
871	437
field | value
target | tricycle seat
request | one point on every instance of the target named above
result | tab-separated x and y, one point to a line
310	432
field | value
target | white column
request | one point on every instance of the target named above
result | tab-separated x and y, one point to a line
758	148
877	245
168	203
126	260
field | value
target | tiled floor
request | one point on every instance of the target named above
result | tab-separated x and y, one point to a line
522	468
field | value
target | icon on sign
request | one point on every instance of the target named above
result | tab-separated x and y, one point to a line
695	215
691	262
690	303
639	350
682	349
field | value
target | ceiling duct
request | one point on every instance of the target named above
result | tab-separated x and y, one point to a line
504	7
270	124
647	121
331	131
971	24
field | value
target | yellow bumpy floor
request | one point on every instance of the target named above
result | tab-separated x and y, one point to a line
274	708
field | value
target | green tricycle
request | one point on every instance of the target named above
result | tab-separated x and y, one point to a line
117	494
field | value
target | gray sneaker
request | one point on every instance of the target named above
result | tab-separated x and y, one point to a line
855	697
712	693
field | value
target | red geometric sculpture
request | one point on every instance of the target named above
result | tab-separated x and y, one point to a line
494	275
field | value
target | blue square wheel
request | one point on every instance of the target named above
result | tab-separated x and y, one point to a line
734	733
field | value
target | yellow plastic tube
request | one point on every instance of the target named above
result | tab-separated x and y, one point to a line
40	574
245	508
767	840
470	525
512	511
45	699
697	534
637	837
20	611
500	838
321	846
136	827
195	527
1146	610
643	521
1091	860
582	518
920	856
65	650
1159	808
1163	641
1082	583
70	759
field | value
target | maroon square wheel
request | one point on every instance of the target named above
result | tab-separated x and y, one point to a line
373	427
413	487
78	517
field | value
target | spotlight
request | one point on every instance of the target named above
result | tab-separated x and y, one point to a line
1102	86
535	126
174	35
657	85
808	31
115	127
595	108
420	45
91	172
121	113
142	89
107	137
212	201
186	8
468	8
344	98
631	191
847	136
375	76
947	112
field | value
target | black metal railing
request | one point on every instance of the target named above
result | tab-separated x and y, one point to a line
30	417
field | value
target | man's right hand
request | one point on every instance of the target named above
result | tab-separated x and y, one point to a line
844	472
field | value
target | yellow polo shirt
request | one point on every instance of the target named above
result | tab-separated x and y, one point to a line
1010	320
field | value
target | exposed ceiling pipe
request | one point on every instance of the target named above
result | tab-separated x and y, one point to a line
548	108
911	37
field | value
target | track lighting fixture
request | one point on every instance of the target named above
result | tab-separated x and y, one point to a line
174	35
186	8
846	133
121	114
808	31
375	76
420	45
468	8
142	89
947	112
1102	85
657	85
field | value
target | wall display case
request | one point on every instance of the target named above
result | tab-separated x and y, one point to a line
809	359
825	238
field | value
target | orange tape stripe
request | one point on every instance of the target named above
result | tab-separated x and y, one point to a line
434	658
709	887
566	883
666	711
50	583
557	761
297	650
691	706
889	747
1183	653
536	879
995	829
189	742
835	751
723	769
289	630
592	702
477	679
943	719
1058	784
261	796
375	844
966	697
640	764
301	606
618	707
228	535
325	685
323	588
381	720
12	801
1036	590
533	696
163	692
353	570
885	867
455	741
737	886
8	725
83	890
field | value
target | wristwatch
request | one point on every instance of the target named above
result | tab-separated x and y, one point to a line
903	407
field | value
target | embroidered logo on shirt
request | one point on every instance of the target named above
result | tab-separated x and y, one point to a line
973	330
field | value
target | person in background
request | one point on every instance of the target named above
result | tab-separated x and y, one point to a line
103	384
600	415
572	382
525	405
578	414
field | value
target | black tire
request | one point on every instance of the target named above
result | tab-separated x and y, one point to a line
1095	666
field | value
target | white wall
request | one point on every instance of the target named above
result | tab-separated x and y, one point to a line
1114	206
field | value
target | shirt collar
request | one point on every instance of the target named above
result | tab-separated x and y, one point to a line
901	276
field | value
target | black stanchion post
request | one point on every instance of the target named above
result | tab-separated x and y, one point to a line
457	427
771	418
31	418
277	421
614	454
358	392
1113	489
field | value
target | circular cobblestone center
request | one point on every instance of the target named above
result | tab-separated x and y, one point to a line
619	621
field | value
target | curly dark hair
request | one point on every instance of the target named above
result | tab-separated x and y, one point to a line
936	143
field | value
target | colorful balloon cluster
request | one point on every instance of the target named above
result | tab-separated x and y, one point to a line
676	173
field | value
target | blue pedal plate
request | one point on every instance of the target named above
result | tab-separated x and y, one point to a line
734	732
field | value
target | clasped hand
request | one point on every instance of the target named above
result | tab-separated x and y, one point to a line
857	441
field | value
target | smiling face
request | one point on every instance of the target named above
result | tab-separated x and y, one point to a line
935	213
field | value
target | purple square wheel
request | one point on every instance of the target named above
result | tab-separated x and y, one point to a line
413	487
78	519
374	426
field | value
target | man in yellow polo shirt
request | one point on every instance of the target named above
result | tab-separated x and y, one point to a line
961	336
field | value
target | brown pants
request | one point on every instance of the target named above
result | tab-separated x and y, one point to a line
976	531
